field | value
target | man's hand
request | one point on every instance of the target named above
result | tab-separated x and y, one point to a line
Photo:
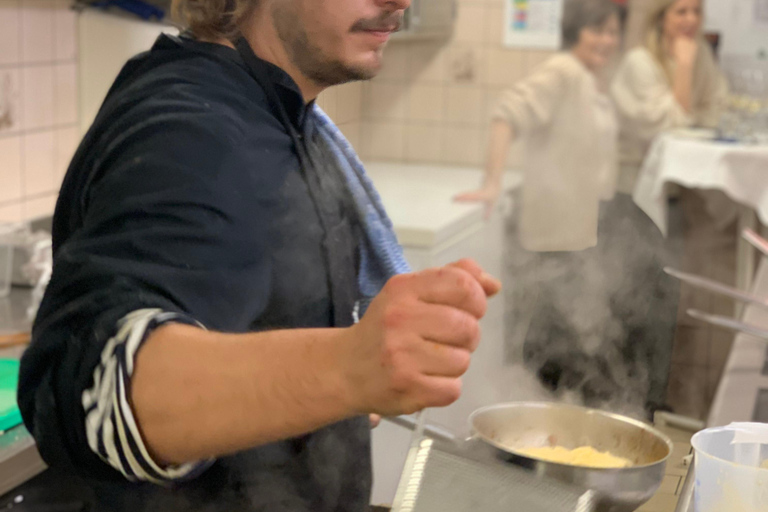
684	51
415	341
199	394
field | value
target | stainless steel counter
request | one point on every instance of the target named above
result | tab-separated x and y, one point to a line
19	459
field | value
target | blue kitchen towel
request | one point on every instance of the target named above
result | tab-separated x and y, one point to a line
381	255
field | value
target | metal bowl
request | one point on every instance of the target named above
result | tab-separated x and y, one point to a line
506	428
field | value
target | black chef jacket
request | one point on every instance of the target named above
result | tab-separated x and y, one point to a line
187	195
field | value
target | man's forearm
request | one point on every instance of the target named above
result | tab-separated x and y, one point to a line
199	394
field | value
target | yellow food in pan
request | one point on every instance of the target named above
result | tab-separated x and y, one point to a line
584	456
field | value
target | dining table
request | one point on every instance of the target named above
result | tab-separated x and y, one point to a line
697	159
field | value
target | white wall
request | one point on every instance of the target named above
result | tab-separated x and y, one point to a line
38	101
741	33
107	41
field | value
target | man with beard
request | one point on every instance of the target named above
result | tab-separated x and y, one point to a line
215	241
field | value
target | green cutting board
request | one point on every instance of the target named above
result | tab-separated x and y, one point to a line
9	382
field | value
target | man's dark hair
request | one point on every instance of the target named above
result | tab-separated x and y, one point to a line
581	14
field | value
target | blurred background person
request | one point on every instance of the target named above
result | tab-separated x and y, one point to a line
586	265
567	171
670	81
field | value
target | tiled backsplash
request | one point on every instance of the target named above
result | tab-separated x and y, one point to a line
432	101
344	105
38	104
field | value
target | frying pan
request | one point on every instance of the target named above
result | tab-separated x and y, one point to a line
502	430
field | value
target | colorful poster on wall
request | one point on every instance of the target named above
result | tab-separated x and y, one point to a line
533	24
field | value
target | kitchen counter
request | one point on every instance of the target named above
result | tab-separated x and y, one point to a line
431	216
19	458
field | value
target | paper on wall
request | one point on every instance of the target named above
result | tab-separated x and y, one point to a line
533	24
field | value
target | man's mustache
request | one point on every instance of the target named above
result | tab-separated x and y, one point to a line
388	22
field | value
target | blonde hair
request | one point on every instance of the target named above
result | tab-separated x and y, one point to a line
212	19
654	34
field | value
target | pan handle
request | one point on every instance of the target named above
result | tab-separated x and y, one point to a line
429	430
757	241
729	323
714	286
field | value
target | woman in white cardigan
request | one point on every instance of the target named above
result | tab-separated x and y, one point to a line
570	130
671	81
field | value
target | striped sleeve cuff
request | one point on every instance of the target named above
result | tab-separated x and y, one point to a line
109	421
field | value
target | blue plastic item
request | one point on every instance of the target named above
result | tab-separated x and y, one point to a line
141	9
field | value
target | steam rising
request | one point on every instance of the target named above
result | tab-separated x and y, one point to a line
593	327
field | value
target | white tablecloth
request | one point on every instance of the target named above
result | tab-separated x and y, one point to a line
740	171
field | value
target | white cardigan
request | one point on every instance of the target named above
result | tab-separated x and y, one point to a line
647	105
570	133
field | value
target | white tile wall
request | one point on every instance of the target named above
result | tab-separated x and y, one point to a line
65	32
37	42
37	97
451	86
11	212
9	32
385	101
426	102
349	104
10	176
10	100
65	94
39	93
39	207
39	158
344	104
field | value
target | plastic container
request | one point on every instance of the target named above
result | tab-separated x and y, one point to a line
9	381
728	475
6	259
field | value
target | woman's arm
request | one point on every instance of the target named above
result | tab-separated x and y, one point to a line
645	98
528	105
501	139
684	51
714	98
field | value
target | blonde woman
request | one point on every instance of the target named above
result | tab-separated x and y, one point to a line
671	81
